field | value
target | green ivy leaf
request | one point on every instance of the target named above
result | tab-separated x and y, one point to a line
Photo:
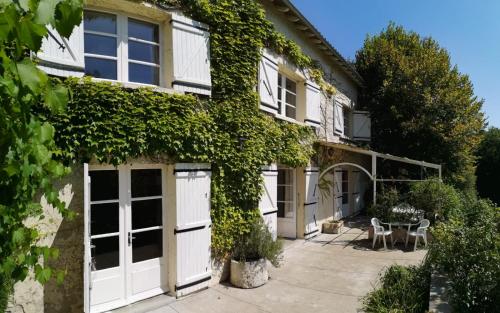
8	21
56	97
31	76
46	11
46	132
18	236
42	274
31	34
69	13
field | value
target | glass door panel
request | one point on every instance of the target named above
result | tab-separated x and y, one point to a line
104	219
147	214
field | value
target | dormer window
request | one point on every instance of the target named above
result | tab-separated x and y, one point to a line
121	48
287	97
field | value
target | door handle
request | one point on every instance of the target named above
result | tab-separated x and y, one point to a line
130	238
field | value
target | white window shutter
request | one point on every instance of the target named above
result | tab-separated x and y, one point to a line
192	227
338	116
268	83
313	103
63	56
268	203
191	55
311	202
361	126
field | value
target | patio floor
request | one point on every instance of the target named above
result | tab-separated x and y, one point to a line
328	273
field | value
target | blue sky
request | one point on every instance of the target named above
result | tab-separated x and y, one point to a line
469	30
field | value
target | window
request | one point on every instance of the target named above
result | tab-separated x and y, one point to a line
285	199
121	48
347	119
287	97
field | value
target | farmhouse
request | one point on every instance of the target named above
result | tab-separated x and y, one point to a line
144	226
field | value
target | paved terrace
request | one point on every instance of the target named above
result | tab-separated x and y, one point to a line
328	273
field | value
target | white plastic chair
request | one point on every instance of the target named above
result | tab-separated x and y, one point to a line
379	230
420	232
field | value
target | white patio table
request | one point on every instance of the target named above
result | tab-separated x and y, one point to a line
399	226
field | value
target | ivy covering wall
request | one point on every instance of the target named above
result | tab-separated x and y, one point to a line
112	124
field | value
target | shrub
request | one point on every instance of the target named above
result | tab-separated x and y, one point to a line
258	243
436	199
386	199
402	290
467	250
5	291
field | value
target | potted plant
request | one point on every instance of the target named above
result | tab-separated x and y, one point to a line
333	226
250	255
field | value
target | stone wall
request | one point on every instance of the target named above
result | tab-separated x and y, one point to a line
31	297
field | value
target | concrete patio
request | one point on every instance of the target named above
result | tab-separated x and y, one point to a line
329	273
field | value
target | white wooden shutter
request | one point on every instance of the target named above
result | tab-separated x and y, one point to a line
191	55
361	125
311	202
268	83
192	227
86	240
63	56
268	202
337	195
338	116
313	103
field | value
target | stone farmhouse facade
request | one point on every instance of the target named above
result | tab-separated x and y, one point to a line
114	257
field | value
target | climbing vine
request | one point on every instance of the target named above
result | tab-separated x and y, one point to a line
113	124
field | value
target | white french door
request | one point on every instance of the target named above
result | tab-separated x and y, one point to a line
126	232
287	212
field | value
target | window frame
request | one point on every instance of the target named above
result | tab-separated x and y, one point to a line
122	39
282	104
291	186
347	113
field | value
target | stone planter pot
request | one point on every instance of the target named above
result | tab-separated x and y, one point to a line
249	274
333	227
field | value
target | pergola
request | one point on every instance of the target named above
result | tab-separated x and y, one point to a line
373	174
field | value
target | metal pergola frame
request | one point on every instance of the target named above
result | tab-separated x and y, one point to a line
373	175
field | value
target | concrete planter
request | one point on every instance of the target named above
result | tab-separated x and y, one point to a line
333	227
249	274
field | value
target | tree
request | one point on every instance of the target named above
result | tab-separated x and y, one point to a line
488	165
421	106
27	148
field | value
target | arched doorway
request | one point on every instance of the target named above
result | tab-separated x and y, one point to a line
346	188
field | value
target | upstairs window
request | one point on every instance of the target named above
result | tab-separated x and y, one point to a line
347	121
287	97
121	48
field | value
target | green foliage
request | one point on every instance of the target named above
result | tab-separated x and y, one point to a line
437	199
258	243
488	165
5	291
27	148
386	200
402	290
420	105
467	250
113	124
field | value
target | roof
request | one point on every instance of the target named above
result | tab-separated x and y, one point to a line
302	24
